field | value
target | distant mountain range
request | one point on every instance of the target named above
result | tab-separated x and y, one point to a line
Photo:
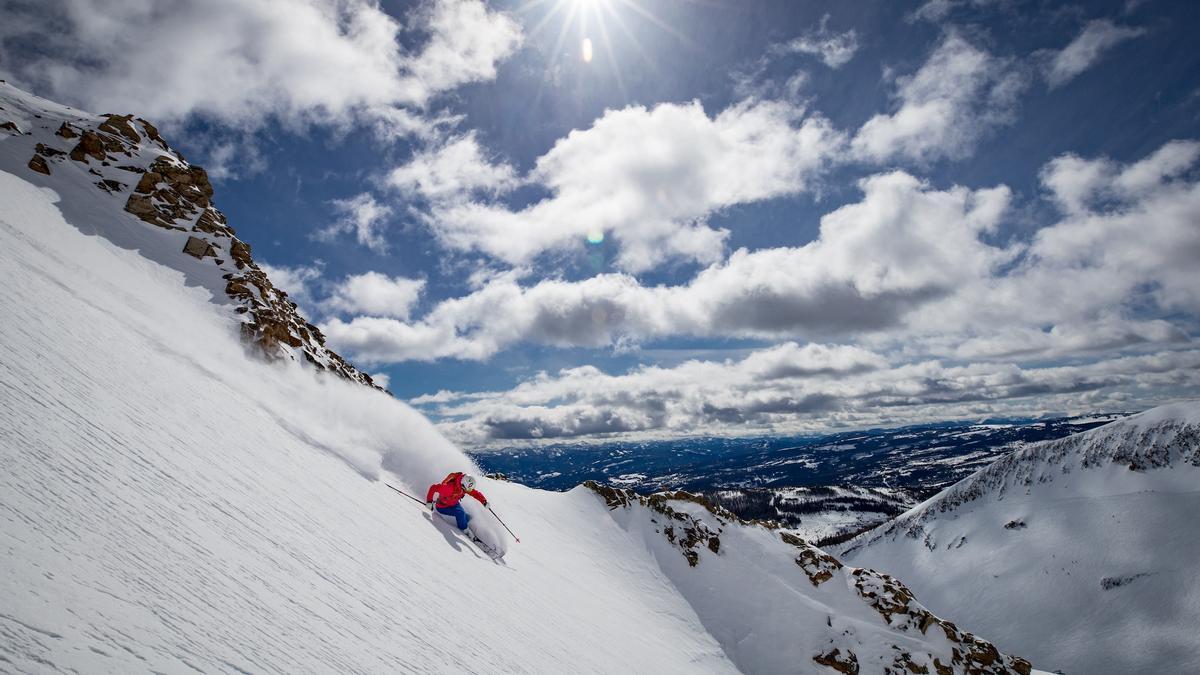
825	488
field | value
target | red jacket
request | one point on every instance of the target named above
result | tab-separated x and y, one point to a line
450	491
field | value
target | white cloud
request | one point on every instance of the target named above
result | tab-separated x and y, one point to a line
956	97
908	269
1096	38
244	61
646	179
904	245
467	41
453	171
804	389
375	294
362	216
834	49
298	282
937	10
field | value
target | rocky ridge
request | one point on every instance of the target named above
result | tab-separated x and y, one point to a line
693	526
125	158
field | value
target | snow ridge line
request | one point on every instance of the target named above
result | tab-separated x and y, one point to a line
865	620
1160	439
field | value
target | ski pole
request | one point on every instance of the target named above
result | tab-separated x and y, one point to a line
407	495
489	508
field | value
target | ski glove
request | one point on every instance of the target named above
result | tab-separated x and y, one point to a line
429	505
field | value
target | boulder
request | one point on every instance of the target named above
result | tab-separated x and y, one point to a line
198	248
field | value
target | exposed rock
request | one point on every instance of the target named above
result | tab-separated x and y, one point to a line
110	185
120	124
174	195
895	603
47	151
198	248
843	663
95	146
685	532
38	164
817	565
9	126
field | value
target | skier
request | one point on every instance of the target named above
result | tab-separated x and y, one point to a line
444	497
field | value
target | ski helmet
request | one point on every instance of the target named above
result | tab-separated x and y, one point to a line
468	483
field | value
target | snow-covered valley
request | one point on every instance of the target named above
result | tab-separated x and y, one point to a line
172	502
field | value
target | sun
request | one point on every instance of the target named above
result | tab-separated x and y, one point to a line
590	24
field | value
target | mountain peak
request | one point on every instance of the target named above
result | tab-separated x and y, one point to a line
122	165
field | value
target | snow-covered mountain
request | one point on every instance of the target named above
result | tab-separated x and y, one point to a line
1079	552
111	167
171	501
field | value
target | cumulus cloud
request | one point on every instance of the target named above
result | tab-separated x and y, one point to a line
834	49
451	172
903	245
955	98
909	270
1086	49
804	389
645	178
374	294
243	61
299	281
362	216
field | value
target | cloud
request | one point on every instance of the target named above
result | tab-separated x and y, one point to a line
454	171
960	94
298	282
834	49
936	11
467	40
807	388
325	61
903	245
1086	49
643	178
375	294
361	216
908	270
1130	231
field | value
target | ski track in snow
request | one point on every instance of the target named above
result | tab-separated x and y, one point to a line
168	505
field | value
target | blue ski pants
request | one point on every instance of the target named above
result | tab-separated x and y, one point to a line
460	515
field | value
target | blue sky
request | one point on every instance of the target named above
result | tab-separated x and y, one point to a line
736	217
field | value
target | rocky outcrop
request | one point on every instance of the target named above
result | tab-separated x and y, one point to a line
885	601
689	534
120	151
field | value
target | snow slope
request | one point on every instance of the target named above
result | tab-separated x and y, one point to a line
171	502
1080	552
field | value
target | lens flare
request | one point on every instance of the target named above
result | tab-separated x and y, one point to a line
586	50
595	237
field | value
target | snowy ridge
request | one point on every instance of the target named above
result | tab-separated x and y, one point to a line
770	598
117	177
1078	552
1156	439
